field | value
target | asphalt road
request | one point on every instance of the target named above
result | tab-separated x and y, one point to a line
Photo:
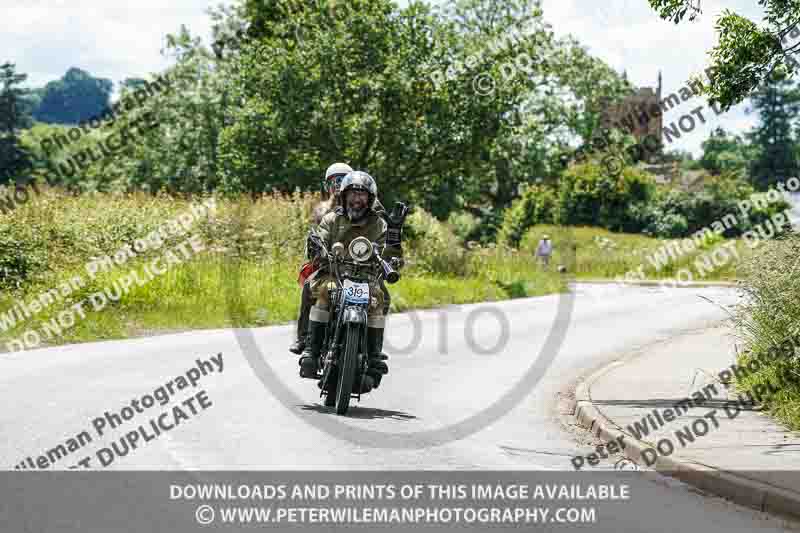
238	423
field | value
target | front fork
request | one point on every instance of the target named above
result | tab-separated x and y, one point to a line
351	314
355	314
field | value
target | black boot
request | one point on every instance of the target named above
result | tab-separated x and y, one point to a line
299	345
376	365
310	360
302	322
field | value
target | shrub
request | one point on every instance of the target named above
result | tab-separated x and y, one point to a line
536	205
488	224
589	196
463	224
675	213
432	247
22	255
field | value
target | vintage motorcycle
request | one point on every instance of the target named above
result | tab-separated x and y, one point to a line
342	365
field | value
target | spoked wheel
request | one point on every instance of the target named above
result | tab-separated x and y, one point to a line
328	383
347	369
330	395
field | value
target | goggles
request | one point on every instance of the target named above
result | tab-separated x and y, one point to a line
333	181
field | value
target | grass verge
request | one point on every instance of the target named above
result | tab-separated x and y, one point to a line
769	318
246	276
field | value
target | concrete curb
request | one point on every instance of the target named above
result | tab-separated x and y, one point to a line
739	489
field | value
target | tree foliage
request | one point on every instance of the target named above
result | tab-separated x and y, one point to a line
76	97
725	153
590	195
631	202
14	159
536	205
747	54
287	87
678	213
393	91
778	105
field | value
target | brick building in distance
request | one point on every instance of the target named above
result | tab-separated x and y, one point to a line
633	114
641	115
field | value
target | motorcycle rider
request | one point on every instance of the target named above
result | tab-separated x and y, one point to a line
331	182
333	177
354	216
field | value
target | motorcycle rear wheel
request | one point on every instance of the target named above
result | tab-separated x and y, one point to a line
347	368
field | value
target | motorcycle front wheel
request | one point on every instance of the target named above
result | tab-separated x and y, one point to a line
347	368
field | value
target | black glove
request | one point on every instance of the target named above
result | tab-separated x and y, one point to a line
395	221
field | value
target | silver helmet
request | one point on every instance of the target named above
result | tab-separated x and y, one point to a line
358	181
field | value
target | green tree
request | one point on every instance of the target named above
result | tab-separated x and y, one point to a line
725	153
393	91
76	97
289	87
316	88
180	153
532	111
14	159
746	54
536	205
777	104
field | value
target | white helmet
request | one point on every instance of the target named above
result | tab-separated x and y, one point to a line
334	175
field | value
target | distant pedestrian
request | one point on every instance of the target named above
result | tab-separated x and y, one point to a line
544	250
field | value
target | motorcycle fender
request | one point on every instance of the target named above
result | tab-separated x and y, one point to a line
354	314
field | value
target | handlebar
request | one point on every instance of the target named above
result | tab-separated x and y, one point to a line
335	256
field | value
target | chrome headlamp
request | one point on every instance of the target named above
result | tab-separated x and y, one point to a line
360	249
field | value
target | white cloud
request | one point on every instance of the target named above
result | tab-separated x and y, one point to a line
109	40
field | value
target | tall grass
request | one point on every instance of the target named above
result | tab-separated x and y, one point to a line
596	253
768	317
245	277
247	274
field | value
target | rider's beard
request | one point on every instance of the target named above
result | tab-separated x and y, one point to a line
356	214
356	210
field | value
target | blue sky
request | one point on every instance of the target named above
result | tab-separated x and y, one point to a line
117	40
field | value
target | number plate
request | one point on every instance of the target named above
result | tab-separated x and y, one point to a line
356	293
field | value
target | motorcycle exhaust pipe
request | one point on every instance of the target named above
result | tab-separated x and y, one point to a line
391	275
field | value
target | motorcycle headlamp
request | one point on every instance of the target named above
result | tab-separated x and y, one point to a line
360	249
